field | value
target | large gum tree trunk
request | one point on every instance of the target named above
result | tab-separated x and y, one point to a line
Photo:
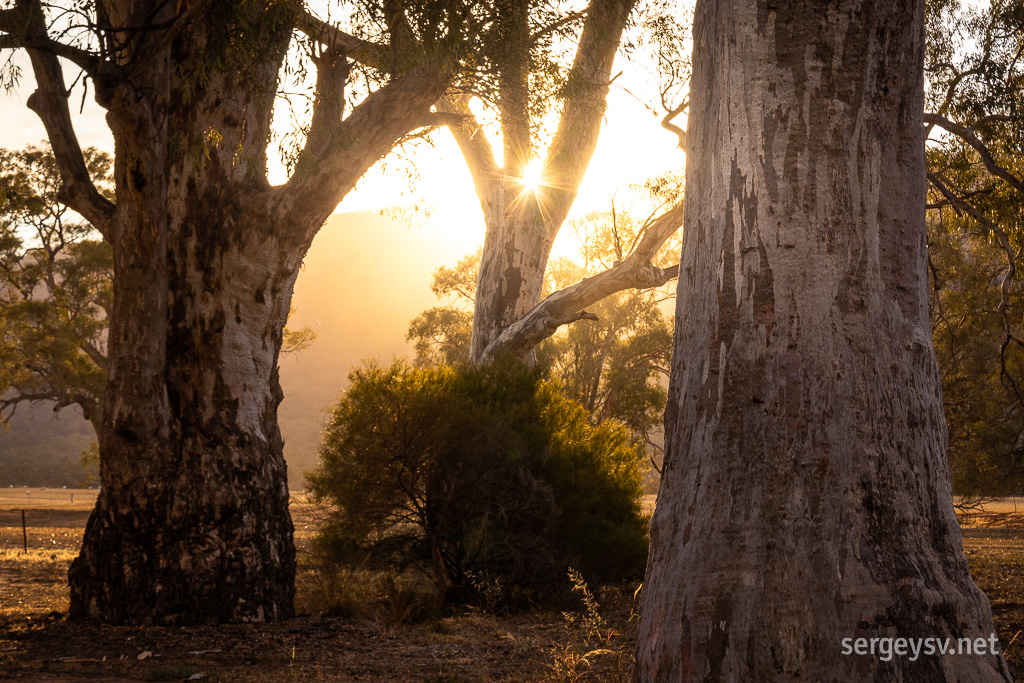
522	222
192	522
806	497
515	255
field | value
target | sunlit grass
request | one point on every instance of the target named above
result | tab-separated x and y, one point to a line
37	555
34	581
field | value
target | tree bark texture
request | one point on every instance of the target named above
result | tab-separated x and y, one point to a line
192	522
522	224
805	496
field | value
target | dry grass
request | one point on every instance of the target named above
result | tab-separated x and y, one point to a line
362	626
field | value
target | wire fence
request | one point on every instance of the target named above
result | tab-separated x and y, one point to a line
48	498
72	499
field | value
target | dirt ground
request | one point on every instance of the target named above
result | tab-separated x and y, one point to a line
37	643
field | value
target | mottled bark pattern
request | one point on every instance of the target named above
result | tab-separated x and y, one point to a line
192	524
515	255
805	497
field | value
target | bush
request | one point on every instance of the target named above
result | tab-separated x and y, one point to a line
488	480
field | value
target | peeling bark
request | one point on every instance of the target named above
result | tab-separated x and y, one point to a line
805	497
192	522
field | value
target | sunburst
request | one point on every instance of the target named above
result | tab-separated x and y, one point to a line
532	178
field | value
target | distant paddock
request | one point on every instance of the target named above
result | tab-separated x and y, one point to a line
68	499
85	499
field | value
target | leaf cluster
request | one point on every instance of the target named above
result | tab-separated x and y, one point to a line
476	477
55	291
982	394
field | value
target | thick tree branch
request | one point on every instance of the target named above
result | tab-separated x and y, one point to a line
363	51
96	356
50	103
180	24
332	69
586	91
968	136
569	304
512	19
339	152
472	141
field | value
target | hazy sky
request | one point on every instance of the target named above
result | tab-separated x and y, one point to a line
632	148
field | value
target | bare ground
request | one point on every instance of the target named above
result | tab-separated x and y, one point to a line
37	643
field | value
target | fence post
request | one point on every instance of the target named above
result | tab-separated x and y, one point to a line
24	531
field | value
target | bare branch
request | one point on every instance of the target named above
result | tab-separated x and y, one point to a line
586	92
569	304
50	103
666	121
472	141
951	90
960	204
363	51
24	26
968	136
96	356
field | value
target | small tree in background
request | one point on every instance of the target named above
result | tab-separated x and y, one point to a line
975	176
982	390
613	364
55	292
480	478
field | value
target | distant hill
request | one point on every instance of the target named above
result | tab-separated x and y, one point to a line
364	278
43	448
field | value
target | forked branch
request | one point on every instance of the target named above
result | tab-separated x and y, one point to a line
569	304
967	135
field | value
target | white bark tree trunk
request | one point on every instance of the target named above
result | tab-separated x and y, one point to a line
522	224
805	496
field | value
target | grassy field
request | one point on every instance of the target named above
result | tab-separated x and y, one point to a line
358	628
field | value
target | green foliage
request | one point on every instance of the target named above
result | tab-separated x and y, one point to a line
976	233
55	291
488	480
458	283
981	387
441	336
90	462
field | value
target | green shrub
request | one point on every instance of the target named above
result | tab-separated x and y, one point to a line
488	480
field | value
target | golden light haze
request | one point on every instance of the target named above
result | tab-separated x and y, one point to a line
427	182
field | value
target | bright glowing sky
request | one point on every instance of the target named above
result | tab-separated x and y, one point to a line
632	148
